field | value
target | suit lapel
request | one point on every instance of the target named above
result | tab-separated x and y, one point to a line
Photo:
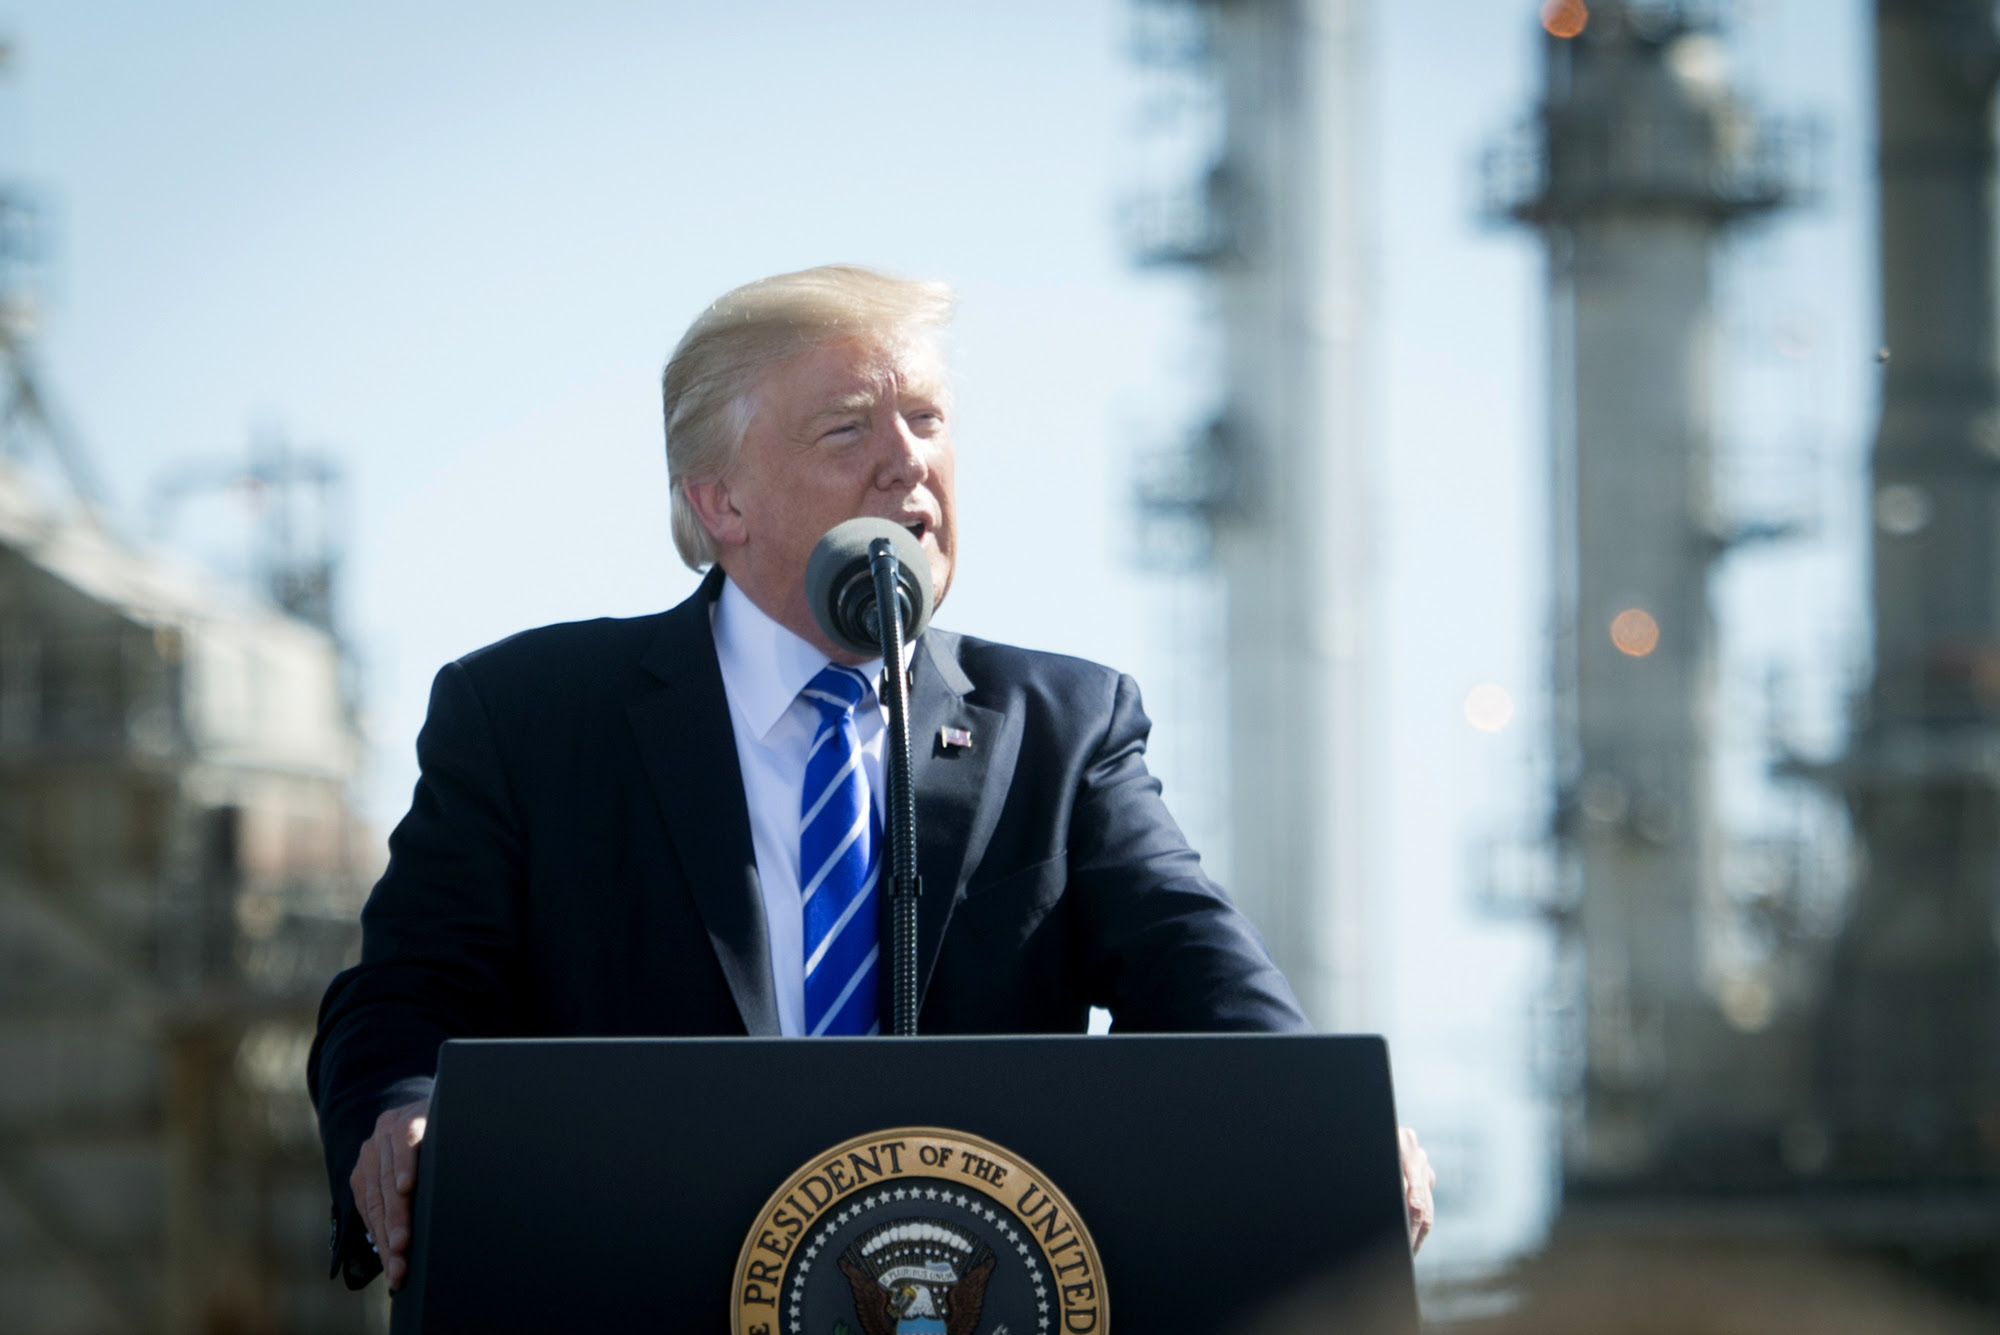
689	752
959	789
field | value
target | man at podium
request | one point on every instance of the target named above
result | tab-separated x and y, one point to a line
672	824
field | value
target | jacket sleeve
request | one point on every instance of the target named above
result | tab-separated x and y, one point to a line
1167	951
440	948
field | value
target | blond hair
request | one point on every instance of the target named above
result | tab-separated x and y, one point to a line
708	381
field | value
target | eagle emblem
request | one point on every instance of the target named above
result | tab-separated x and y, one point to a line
918	1230
918	1277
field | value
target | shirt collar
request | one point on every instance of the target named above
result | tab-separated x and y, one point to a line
765	664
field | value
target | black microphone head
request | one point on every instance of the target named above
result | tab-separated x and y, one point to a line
841	588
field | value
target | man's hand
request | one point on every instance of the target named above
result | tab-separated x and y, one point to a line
1418	1179
384	1178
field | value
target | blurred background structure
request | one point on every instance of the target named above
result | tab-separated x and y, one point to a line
1906	1096
181	865
1271	492
1740	1048
1909	1046
181	870
1638	158
1837	1089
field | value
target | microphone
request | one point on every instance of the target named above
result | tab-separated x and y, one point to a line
840	584
856	569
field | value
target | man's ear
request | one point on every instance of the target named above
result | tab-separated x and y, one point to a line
716	508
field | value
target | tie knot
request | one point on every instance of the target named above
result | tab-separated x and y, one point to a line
836	690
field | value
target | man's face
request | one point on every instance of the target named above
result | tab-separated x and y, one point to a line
852	427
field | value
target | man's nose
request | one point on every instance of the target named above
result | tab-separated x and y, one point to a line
905	461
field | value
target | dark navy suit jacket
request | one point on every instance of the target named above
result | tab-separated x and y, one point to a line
577	861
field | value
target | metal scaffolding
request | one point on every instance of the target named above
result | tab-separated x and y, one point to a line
1908	1048
1851	1093
1274	487
1638	161
181	869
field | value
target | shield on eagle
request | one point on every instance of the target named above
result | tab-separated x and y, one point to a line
918	1277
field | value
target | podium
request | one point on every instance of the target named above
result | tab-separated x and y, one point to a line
1161	1185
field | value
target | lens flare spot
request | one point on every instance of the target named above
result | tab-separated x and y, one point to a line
1565	18
1902	510
1747	1003
1488	707
1634	632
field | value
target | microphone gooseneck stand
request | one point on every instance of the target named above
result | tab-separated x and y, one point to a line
901	808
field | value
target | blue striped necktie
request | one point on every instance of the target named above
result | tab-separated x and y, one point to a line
840	843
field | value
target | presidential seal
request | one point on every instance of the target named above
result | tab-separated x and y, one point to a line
918	1231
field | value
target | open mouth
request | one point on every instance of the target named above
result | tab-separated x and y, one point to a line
917	528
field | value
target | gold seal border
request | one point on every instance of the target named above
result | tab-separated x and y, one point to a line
1024	1190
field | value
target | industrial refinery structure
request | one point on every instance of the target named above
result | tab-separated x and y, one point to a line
1726	1069
181	870
1907	1044
1638	160
1840	1091
1273	484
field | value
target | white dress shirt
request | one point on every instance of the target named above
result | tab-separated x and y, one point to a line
764	667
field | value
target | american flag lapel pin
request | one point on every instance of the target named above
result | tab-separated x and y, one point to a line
955	739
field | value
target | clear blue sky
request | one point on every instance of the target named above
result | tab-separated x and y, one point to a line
452	243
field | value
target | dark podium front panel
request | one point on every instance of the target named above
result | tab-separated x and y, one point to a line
609	1184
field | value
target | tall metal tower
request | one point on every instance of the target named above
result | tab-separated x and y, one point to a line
31	430
1909	1069
1638	160
300	496
181	867
1276	483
